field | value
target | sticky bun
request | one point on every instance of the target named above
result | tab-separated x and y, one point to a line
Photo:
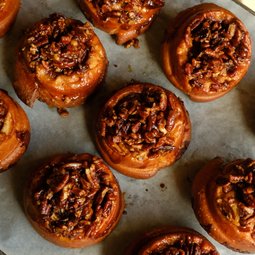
142	128
8	12
206	51
14	131
224	202
172	240
123	19
60	62
73	200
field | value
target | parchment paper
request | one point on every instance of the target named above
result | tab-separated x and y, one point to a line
224	127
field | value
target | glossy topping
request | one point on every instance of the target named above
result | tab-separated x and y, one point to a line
125	11
75	196
14	131
59	44
180	245
3	113
172	241
141	129
140	123
235	194
216	49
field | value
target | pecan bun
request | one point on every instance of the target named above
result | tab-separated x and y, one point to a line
142	128
224	202
60	62
14	131
8	12
172	240
206	51
124	19
73	200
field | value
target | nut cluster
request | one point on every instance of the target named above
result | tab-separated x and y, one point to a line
59	44
126	11
74	197
236	194
217	49
139	124
182	246
3	113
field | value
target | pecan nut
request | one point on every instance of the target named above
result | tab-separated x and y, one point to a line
224	197
141	129
172	240
74	200
60	62
123	19
210	54
14	131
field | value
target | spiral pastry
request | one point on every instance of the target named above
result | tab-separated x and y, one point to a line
206	51
224	202
124	19
14	131
60	62
142	128
73	200
172	240
8	12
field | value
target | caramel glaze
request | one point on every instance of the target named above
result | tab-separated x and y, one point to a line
14	131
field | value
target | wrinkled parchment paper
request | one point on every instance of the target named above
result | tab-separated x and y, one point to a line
224	127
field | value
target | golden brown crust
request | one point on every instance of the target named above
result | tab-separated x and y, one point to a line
14	131
73	200
126	20
206	51
223	201
60	62
142	128
172	240
8	12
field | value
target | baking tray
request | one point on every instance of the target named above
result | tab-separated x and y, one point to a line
225	127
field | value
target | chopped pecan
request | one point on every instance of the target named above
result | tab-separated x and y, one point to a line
123	10
60	44
172	241
217	49
236	199
181	246
138	123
